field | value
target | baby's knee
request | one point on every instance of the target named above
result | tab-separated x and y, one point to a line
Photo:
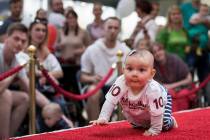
25	98
6	97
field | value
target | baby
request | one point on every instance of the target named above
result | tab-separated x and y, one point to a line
145	103
53	120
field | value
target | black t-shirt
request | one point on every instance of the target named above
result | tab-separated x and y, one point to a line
6	23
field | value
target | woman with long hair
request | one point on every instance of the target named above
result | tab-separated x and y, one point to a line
173	36
73	40
38	34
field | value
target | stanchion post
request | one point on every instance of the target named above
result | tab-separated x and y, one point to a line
32	111
119	62
119	70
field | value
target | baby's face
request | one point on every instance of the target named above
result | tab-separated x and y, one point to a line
137	72
50	120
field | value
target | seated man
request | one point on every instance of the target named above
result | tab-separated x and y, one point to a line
98	59
14	104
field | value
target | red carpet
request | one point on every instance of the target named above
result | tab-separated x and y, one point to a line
193	125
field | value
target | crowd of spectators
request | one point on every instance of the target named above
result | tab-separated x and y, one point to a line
67	51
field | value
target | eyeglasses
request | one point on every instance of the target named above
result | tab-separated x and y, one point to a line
39	20
132	52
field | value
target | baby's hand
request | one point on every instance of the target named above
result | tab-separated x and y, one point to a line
148	133
99	122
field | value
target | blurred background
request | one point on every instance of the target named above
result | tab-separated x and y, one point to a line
84	10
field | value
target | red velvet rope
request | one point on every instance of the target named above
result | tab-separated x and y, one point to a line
11	72
74	96
194	90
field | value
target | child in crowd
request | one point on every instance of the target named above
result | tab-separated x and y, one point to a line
52	115
200	25
145	103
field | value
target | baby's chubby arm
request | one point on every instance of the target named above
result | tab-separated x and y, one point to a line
105	114
100	121
157	102
156	126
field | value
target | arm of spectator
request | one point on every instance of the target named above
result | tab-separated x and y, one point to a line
86	39
88	78
54	69
79	51
195	19
59	45
56	74
40	98
152	29
4	84
199	20
184	82
68	121
138	27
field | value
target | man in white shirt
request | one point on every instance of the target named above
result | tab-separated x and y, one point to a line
14	104
56	16
97	60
